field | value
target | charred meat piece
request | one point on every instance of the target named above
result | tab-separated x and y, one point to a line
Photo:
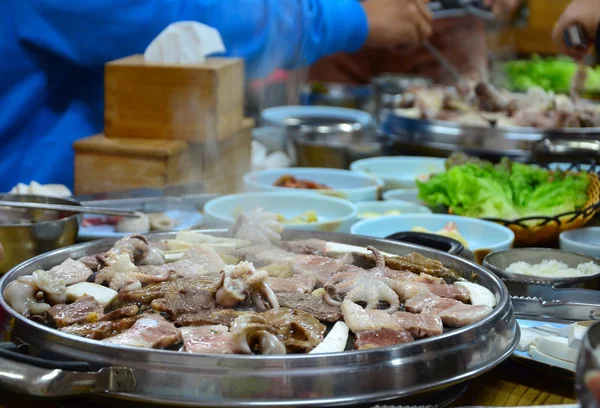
207	339
312	305
186	300
210	317
381	338
84	309
452	312
149	331
419	325
71	272
158	290
415	263
198	260
100	330
295	284
127	311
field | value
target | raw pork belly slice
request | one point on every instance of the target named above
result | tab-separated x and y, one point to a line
295	284
207	339
452	312
149	331
71	272
419	325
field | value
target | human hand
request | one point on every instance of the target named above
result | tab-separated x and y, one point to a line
503	9
397	22
586	13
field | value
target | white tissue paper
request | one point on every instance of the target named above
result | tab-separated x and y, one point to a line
262	160
35	188
185	42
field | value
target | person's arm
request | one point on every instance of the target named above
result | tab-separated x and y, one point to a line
268	34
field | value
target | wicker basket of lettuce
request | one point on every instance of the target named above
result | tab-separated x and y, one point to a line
536	203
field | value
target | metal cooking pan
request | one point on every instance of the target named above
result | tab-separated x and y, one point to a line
162	376
441	138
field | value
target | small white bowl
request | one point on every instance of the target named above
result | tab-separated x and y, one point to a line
404	194
344	184
584	241
400	171
481	235
334	214
381	207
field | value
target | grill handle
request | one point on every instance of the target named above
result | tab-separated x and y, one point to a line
49	378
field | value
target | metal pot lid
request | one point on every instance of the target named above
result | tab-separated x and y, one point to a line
237	380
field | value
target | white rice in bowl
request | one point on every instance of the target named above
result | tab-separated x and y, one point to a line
550	268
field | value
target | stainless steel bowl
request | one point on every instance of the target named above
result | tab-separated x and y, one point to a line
337	94
338	149
170	377
24	241
497	262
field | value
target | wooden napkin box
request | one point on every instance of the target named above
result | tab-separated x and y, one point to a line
111	164
191	102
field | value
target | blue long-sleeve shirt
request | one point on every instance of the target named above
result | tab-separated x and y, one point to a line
52	56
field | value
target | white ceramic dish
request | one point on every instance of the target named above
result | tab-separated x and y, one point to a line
186	220
480	234
280	115
381	207
334	214
399	171
345	184
584	241
403	194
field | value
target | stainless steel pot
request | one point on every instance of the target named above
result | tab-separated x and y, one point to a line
24	241
338	149
441	138
163	376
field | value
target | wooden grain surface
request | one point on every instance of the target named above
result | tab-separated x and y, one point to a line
510	384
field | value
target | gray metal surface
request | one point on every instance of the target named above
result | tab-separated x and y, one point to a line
441	138
295	380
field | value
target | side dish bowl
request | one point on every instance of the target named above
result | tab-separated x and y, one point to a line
344	184
333	214
499	262
582	240
382	208
399	171
482	236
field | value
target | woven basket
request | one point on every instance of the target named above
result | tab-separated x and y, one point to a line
535	231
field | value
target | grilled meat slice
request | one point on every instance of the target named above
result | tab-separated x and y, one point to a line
185	300
207	339
452	312
197	261
419	325
100	330
312	305
158	290
381	338
71	272
209	317
84	309
295	284
149	331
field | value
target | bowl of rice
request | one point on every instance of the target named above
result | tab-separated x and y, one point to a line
553	266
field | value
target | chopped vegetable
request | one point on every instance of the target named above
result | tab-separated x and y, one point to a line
506	191
306	217
551	74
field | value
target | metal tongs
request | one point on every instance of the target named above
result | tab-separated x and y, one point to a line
69	208
541	301
456	8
